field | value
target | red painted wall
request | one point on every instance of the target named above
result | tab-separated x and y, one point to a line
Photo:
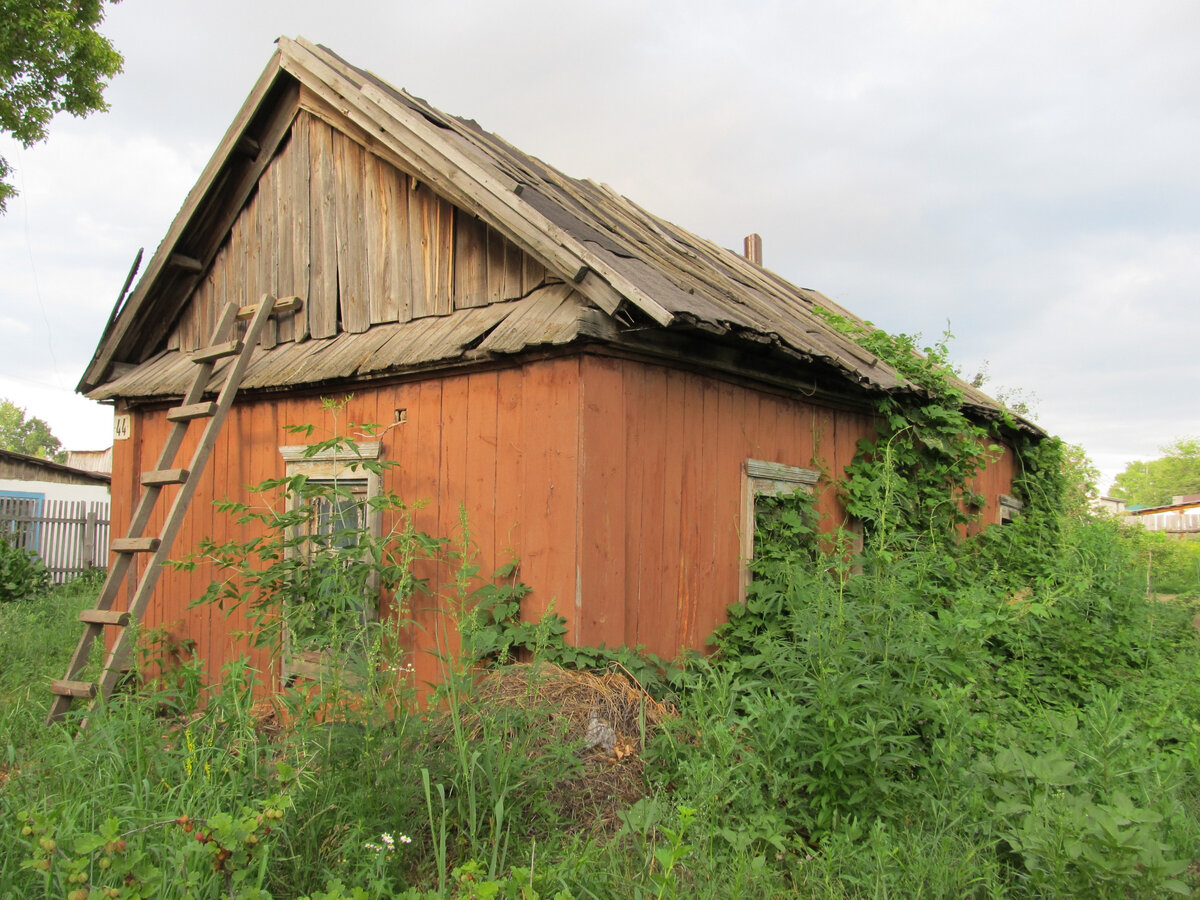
617	483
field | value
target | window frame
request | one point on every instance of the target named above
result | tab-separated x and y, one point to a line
762	478
329	465
1008	508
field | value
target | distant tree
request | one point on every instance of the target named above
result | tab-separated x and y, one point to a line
52	60
1154	483
1082	477
30	436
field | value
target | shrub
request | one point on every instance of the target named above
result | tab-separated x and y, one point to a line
22	575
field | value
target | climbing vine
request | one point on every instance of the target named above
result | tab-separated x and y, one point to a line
911	485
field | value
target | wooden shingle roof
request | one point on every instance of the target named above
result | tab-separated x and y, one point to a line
613	266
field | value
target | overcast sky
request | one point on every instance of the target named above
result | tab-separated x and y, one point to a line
1028	172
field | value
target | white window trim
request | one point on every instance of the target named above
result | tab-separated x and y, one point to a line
329	465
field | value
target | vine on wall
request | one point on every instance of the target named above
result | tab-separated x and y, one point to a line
911	485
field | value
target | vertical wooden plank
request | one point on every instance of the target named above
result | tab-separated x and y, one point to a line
354	300
551	421
825	452
299	153
203	301
188	328
510	465
693	490
731	456
665	622
234	267
712	603
253	284
215	282
633	379
480	476
514	267
420	210
396	195
199	311
323	260
533	274
184	328
601	534
452	478
497	252
284	216
443	244
421	460
268	243
377	216
470	262
649	455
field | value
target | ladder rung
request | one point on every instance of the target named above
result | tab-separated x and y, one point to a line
165	476
104	617
191	411
218	351
72	688
134	545
287	304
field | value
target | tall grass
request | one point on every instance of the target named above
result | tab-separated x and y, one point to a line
922	729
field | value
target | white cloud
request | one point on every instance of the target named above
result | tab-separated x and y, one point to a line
1023	169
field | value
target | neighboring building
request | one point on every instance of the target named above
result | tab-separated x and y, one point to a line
1180	517
1113	506
48	480
46	508
603	392
91	460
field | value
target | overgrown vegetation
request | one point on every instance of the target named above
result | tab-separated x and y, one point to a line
1015	714
22	575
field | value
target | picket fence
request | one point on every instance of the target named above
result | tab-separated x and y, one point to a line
70	536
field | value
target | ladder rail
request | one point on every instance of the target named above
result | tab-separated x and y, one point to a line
223	342
154	565
138	521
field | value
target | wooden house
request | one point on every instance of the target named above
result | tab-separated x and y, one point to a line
602	391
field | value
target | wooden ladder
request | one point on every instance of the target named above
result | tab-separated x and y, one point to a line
224	343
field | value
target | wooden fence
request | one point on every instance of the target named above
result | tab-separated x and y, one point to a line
1171	522
70	536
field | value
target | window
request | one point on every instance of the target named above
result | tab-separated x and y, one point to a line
333	598
763	484
1009	508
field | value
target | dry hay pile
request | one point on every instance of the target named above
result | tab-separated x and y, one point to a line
608	714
